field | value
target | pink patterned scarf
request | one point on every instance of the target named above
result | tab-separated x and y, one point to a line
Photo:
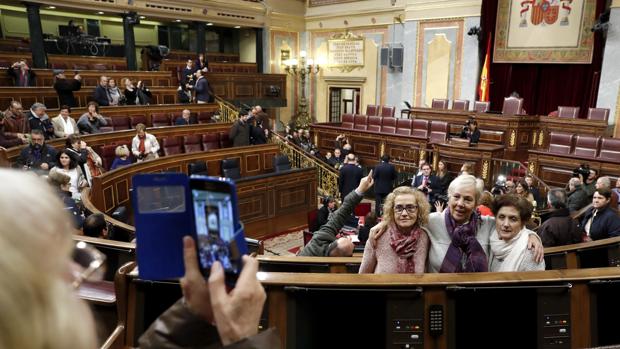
404	245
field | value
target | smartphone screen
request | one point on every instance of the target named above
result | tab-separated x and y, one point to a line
215	220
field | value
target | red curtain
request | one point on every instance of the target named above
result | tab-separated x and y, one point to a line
543	87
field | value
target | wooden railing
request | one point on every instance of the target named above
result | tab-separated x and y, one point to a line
327	176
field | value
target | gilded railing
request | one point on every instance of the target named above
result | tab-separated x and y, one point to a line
326	175
228	112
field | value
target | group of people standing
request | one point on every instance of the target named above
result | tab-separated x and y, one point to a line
193	84
251	128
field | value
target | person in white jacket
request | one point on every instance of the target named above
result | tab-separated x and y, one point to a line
144	146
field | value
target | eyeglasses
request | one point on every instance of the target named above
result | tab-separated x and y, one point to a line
410	208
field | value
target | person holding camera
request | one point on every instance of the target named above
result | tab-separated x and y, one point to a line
143	93
38	156
64	87
208	315
471	131
21	74
144	146
427	183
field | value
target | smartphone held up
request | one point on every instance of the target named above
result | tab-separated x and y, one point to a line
169	206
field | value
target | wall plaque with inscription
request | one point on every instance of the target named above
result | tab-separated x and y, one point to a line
345	51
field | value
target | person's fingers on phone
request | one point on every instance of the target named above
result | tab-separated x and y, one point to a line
190	258
248	273
217	287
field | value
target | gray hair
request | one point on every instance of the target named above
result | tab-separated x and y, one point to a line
463	181
557	198
38	106
605	181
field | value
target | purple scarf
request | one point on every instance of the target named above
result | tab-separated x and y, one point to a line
404	245
465	253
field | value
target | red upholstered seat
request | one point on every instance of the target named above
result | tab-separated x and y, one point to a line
174	116
460	104
160	119
361	122
210	141
204	117
481	107
108	153
439	131
347	121
586	146
171	146
225	141
120	123
192	143
403	127
137	119
560	143
568	112
388	125
374	123
108	127
512	106
598	114
439	103
420	128
387	111
372	110
610	149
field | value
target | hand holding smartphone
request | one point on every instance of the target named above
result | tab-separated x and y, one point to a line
169	206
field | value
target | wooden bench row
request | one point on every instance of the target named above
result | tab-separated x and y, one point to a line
90	78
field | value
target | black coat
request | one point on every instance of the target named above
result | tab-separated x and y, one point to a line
605	224
257	135
559	229
101	96
433	183
474	137
45	125
384	176
65	88
350	177
29	77
202	90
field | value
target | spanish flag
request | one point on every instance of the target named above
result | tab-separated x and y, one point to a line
483	90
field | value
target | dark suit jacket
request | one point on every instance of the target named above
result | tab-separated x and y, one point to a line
202	90
350	177
101	96
606	223
384	175
433	183
29	78
65	88
474	137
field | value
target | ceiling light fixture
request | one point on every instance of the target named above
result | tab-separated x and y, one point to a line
209	24
237	26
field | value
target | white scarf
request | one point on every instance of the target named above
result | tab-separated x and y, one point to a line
512	252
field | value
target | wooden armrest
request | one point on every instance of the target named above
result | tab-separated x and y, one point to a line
109	342
100	292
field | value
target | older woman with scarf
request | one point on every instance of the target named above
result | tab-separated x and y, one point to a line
509	241
144	146
405	247
460	238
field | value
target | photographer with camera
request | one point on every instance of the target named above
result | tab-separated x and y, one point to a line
21	74
470	131
143	93
64	87
144	146
427	183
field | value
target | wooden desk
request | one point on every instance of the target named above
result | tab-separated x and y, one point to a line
369	146
556	169
456	152
514	132
268	204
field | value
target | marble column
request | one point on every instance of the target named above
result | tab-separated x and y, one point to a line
130	40
39	59
610	73
200	37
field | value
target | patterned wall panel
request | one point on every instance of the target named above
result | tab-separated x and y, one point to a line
438	62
